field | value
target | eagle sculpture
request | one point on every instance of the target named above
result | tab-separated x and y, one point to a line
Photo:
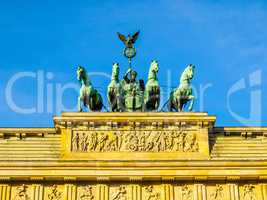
130	40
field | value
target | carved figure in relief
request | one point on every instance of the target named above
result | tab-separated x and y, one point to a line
75	142
134	141
168	140
190	144
142	143
180	141
187	193
54	193
217	194
102	141
249	192
152	194
121	194
114	142
161	142
21	193
87	193
91	141
83	142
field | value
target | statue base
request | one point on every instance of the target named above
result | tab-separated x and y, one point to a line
137	136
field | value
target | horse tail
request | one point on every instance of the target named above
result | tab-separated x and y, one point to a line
99	102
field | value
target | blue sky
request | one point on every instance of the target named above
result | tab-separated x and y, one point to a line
225	40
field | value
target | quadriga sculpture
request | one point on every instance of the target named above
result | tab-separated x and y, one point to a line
115	98
89	96
152	90
183	93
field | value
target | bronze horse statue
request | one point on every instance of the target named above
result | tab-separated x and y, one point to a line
152	89
183	93
88	94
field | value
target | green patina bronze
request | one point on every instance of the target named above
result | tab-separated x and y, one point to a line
132	95
89	96
183	93
129	50
132	91
152	91
115	98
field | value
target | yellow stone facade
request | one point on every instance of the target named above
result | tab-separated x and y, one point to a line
133	156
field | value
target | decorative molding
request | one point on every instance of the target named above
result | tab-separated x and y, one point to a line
246	132
141	191
22	133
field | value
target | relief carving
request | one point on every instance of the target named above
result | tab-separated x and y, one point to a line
75	142
187	193
87	193
21	193
120	194
152	194
54	193
249	192
134	141
217	194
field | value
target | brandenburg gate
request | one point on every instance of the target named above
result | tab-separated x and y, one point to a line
134	151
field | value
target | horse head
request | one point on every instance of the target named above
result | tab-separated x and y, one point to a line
188	73
154	66
81	72
153	70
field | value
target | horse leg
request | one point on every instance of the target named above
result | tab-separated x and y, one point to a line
179	104
170	104
87	103
192	100
79	104
88	107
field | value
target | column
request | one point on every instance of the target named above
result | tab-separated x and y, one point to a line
102	192
264	191
38	192
135	192
70	192
200	192
5	192
233	191
168	192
